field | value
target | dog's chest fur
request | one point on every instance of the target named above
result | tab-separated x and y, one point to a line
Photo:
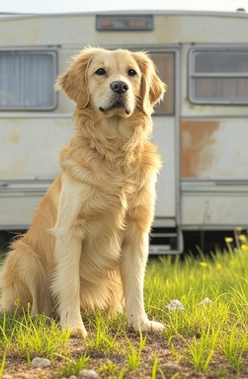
113	168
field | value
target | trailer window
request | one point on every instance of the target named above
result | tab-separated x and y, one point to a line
165	63
27	79
218	76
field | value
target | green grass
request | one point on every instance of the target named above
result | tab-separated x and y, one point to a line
210	338
73	366
134	355
24	336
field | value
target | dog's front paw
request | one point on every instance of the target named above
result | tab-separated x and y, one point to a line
146	325
156	326
78	332
74	324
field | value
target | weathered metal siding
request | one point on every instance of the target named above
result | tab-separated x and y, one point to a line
213	208
30	147
214	150
80	29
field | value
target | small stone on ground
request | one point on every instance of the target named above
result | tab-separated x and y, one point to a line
40	362
88	374
170	369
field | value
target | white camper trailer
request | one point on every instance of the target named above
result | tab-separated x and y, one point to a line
201	128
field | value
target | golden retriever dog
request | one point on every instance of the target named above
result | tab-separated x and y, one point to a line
87	246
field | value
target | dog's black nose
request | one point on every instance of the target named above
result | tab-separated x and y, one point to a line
119	86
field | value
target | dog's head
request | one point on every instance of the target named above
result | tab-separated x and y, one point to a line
113	82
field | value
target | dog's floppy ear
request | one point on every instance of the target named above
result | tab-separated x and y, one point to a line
152	88
74	81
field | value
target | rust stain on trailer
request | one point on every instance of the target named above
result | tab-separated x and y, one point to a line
196	142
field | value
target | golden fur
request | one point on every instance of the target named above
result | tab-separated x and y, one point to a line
88	242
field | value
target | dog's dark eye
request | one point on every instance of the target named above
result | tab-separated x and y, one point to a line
100	71
132	72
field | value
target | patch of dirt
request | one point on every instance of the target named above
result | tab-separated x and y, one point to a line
156	345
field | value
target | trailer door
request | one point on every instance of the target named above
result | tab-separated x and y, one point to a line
165	135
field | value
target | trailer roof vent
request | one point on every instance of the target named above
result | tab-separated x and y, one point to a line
126	22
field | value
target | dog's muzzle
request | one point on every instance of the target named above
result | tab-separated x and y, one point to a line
118	101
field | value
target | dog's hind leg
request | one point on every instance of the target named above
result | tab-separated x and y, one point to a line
42	301
15	293
22	281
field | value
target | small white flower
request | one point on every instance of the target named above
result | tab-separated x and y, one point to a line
206	301
175	304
